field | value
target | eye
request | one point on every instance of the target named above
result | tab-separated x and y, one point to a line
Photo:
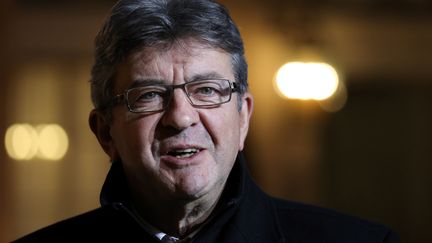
205	91
146	94
149	95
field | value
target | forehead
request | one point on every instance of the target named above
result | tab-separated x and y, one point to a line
180	48
181	62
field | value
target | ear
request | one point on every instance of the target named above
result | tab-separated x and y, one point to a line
245	115
101	128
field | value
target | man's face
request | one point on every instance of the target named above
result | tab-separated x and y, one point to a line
149	144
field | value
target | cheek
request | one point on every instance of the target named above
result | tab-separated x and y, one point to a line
134	138
223	126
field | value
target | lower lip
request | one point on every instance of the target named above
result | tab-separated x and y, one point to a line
174	162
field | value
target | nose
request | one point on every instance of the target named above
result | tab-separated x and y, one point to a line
180	114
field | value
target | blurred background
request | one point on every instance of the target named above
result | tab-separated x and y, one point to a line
366	150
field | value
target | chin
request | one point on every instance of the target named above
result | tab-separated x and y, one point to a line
191	190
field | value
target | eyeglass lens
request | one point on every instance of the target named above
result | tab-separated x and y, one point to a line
200	93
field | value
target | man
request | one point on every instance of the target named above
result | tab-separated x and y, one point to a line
172	111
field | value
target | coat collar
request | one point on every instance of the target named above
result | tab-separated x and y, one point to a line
256	218
115	188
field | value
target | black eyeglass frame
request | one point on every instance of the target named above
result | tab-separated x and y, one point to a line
118	99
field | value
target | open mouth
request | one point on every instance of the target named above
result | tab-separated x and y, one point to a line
183	153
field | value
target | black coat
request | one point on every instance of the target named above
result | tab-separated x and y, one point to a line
245	214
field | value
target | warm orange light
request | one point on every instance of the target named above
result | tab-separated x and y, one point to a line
307	80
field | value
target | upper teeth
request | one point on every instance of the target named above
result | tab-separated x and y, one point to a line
191	150
183	153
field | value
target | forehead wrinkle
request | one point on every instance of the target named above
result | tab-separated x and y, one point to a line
163	65
151	64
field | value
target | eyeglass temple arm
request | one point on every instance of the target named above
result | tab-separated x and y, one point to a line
235	87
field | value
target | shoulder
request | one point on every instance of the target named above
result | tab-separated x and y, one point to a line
98	224
304	221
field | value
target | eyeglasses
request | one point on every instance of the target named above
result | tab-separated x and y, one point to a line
153	98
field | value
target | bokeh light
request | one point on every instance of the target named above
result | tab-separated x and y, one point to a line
21	142
306	80
25	142
53	142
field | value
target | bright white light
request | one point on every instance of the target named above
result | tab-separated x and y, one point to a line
307	80
24	142
21	141
53	142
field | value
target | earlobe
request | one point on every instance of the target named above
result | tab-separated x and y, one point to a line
101	128
245	115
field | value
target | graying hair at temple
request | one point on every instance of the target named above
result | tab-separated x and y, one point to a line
136	24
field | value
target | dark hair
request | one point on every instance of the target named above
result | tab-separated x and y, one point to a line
135	24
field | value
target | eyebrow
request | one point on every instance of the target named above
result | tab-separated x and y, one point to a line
144	82
196	77
204	76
